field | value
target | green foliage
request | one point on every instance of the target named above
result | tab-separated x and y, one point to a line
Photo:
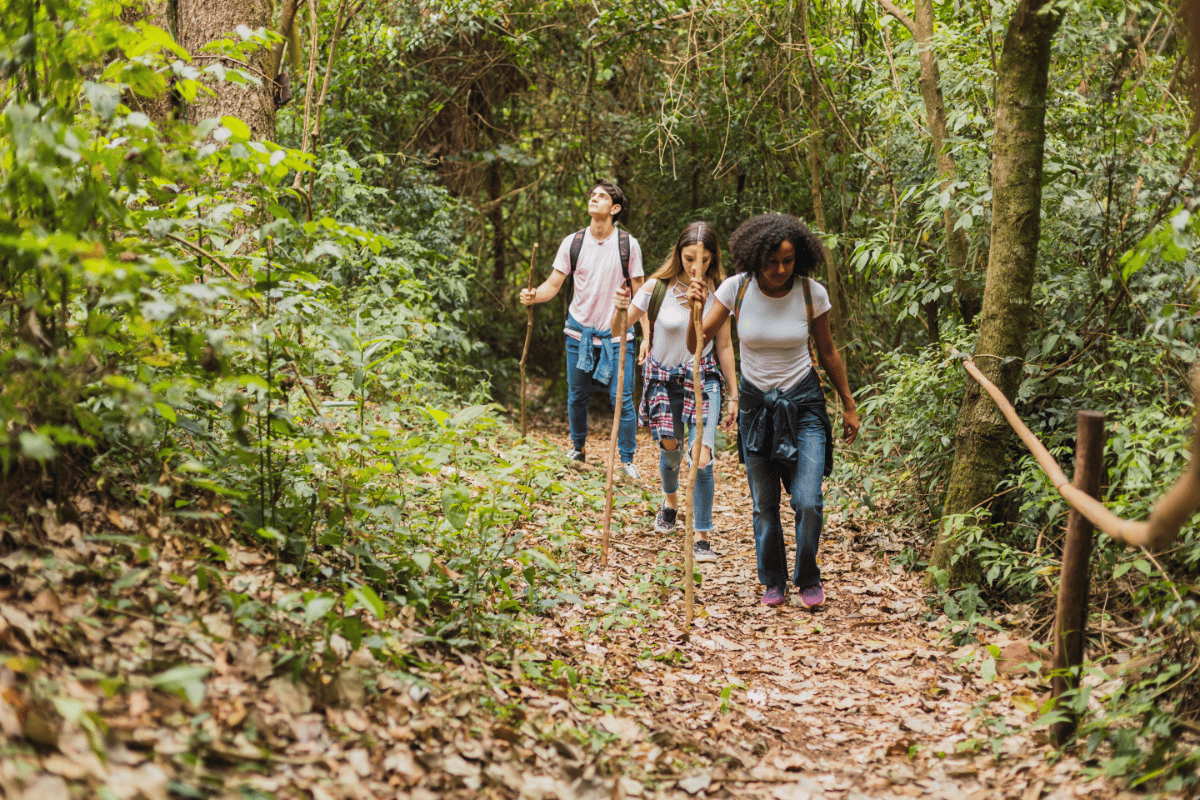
203	339
908	430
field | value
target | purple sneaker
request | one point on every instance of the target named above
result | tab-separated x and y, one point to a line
812	597
775	596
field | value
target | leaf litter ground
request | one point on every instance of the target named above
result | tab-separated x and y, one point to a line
126	677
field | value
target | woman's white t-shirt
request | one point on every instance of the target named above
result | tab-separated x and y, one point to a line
773	331
670	328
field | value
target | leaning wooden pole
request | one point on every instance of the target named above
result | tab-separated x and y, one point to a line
528	336
1070	621
689	496
1170	511
622	315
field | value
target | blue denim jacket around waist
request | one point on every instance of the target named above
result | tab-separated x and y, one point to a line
769	422
603	366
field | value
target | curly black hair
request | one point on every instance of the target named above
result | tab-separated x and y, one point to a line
752	244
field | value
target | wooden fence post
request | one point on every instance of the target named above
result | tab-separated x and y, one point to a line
1070	622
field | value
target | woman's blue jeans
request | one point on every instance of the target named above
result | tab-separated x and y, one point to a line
580	386
669	462
765	485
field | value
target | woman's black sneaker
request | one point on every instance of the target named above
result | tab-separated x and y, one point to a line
665	521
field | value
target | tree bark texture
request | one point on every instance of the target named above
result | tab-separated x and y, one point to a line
162	107
495	187
982	434
200	22
939	133
1070	618
1191	15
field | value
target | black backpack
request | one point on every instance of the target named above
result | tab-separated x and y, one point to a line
622	247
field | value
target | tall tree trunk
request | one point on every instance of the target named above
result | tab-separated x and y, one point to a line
930	81
816	174
199	22
1191	15
983	435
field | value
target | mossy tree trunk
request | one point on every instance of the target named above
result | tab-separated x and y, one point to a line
983	436
921	26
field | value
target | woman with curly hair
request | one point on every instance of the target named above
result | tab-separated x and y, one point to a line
668	400
785	432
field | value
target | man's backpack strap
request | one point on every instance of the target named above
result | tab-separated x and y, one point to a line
623	251
576	247
623	248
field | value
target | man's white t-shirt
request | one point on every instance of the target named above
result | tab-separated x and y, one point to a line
773	331
670	328
597	278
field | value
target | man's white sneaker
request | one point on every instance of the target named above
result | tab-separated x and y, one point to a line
630	472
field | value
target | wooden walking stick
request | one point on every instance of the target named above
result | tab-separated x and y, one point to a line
612	440
689	496
528	336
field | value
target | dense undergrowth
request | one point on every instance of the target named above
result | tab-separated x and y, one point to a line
184	338
1143	605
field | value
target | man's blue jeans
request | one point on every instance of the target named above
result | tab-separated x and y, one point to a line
580	386
765	486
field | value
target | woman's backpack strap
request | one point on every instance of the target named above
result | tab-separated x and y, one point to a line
808	307
741	292
656	300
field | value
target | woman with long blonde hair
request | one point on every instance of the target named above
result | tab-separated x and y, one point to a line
668	400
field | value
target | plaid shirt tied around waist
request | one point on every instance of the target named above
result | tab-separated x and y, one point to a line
655	410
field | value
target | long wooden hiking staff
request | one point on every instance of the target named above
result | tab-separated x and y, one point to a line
689	494
612	440
528	336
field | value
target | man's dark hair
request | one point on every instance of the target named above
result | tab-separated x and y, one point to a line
752	244
614	191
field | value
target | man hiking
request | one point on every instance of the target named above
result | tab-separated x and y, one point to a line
601	258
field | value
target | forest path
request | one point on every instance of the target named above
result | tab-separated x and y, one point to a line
864	698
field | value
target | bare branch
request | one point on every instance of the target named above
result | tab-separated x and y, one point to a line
891	9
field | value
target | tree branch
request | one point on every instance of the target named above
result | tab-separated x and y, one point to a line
891	9
195	248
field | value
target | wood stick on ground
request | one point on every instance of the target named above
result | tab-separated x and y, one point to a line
1169	513
689	537
528	336
612	439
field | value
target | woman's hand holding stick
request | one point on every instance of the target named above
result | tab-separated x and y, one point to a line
689	566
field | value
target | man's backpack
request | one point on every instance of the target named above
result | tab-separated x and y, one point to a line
622	247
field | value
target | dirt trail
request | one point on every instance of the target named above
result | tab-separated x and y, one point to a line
861	699
610	699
